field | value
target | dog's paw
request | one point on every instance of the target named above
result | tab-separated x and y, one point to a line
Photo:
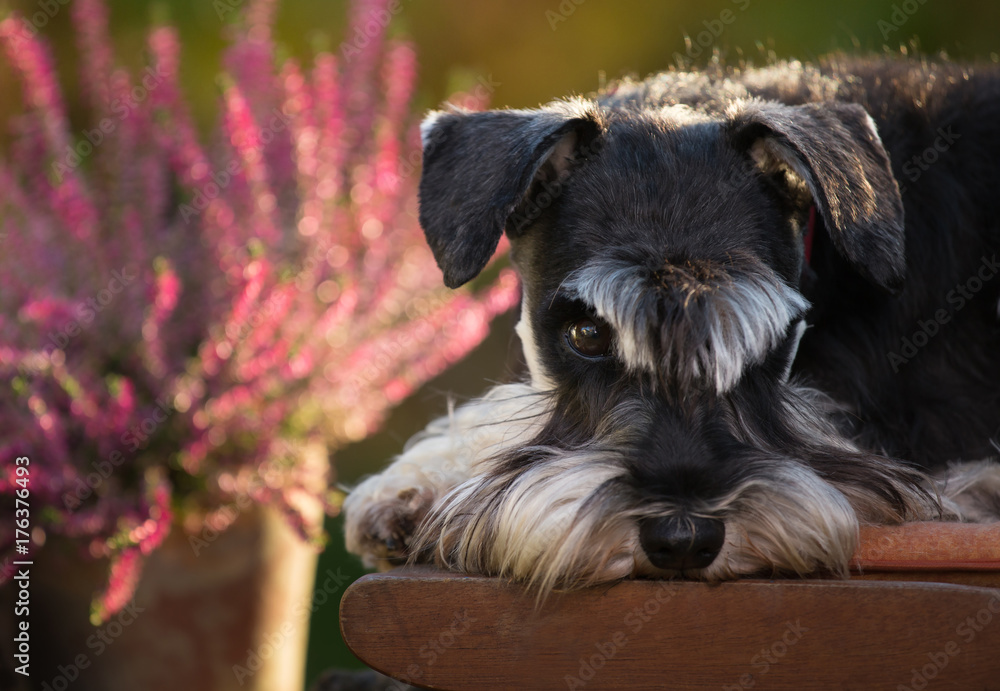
381	518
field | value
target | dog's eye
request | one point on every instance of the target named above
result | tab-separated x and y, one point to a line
589	337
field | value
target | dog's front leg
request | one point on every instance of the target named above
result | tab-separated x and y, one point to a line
383	512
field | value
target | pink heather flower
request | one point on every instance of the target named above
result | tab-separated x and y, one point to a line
90	17
126	567
165	293
32	60
155	529
175	308
49	312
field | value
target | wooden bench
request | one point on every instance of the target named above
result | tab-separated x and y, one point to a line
922	611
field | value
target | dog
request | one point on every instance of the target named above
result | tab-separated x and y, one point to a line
760	309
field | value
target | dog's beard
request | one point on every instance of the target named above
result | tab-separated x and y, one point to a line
558	518
572	520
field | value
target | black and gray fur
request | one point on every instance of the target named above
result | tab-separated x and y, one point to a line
752	409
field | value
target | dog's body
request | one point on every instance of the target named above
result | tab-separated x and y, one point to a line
732	334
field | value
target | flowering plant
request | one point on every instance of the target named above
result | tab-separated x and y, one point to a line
177	320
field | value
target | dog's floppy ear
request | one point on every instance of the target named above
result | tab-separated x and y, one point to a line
836	151
477	169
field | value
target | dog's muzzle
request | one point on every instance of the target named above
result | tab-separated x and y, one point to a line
681	543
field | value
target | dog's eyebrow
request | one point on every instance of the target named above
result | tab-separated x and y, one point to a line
690	325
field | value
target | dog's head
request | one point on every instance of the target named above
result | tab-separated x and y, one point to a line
665	291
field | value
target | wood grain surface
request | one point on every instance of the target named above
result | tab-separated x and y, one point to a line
448	631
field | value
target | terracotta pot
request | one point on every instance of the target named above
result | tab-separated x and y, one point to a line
234	615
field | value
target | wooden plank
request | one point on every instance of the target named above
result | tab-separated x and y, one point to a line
982	579
930	546
447	631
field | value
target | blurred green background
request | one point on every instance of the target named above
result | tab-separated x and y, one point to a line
529	52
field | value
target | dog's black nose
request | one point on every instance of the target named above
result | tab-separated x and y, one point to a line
679	543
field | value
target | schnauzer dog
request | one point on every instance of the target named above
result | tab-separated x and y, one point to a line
745	336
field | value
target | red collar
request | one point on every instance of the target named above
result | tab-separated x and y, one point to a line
810	231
